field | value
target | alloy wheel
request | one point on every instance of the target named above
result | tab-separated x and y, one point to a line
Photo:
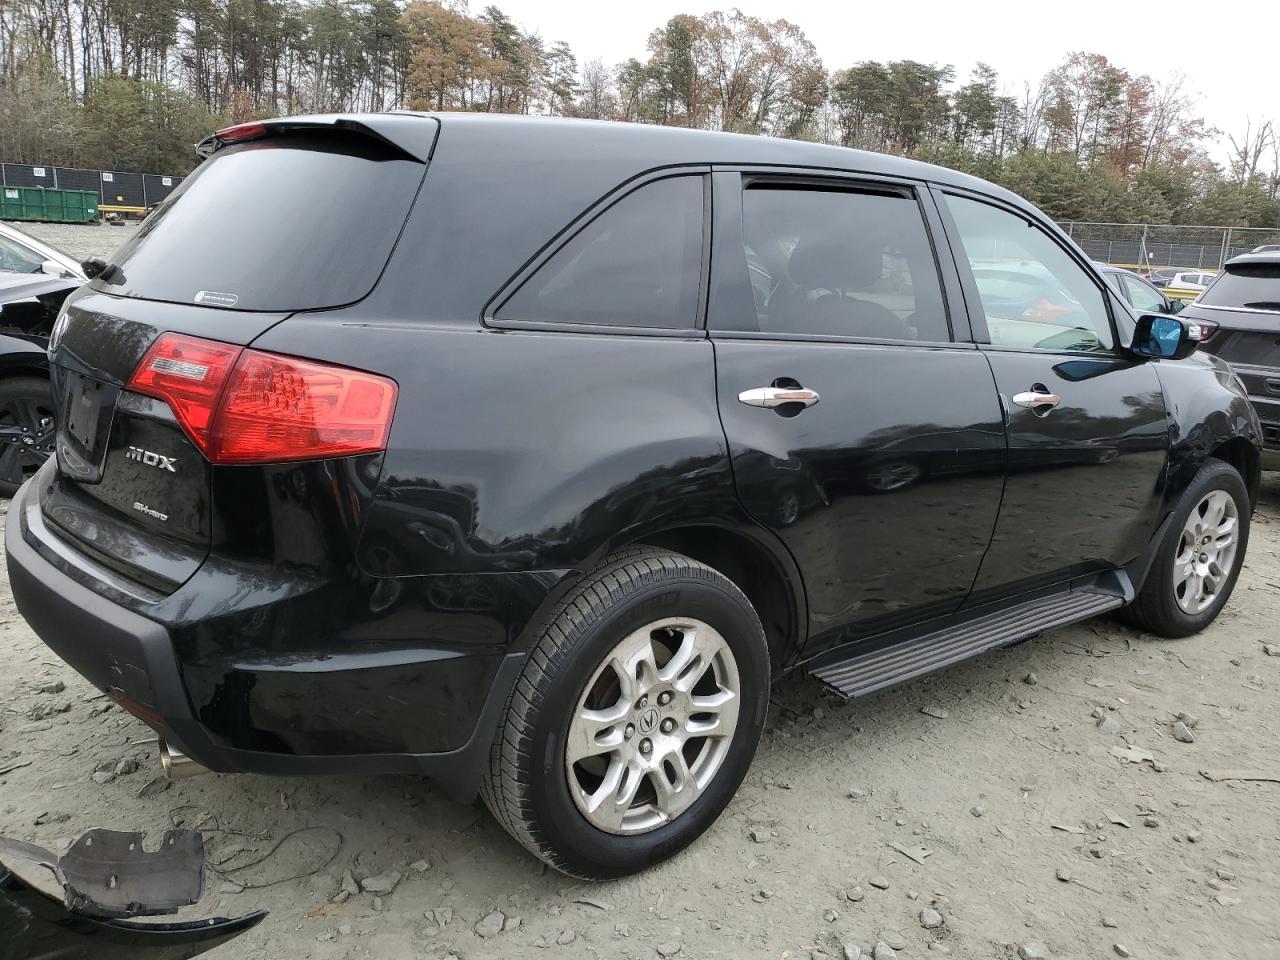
1206	551
26	438
653	726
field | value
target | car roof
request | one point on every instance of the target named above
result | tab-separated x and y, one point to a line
1107	268
643	146
1247	259
513	184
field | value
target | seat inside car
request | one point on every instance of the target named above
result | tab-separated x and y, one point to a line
826	274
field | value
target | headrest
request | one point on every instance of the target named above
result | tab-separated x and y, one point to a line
820	261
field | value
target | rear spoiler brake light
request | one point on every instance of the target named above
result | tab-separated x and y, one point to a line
261	129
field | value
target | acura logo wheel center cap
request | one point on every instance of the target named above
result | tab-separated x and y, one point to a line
648	721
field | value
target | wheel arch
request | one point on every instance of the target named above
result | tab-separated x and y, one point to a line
23	368
769	581
23	356
1243	455
1210	417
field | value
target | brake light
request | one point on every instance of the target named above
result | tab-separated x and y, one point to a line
248	406
241	132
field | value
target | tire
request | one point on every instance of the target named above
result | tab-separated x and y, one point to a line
25	402
540	799
1160	606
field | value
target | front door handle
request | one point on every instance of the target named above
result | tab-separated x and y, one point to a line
1038	400
778	396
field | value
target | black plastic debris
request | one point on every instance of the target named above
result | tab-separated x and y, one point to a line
107	877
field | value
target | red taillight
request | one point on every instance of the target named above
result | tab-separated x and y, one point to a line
279	408
247	406
189	374
241	132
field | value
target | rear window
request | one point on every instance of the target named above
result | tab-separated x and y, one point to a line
290	223
1256	285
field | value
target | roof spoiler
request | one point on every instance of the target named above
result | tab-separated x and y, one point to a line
414	136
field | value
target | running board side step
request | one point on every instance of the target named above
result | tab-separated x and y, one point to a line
871	670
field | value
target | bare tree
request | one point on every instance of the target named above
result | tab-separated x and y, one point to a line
1248	151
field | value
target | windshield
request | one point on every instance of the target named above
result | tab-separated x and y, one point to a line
289	223
1254	285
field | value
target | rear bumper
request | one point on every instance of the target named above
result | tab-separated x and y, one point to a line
131	656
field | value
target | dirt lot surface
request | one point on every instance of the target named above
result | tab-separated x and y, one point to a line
992	797
81	241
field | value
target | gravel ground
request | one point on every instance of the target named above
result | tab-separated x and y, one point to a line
80	241
1004	769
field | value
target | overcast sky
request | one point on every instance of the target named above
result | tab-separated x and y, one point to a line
1228	52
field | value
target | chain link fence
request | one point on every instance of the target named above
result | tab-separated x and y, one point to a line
1152	246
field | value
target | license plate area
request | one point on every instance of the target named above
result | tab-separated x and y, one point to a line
86	407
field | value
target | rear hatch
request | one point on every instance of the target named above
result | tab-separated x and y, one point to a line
284	217
1244	303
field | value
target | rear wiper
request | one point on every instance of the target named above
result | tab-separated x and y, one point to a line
96	268
1263	305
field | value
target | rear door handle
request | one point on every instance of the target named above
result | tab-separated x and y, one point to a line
1037	400
778	396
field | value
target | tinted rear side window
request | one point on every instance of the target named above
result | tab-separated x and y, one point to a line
637	264
1256	286
289	223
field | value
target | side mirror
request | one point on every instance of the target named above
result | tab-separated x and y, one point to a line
1174	306
53	268
1165	338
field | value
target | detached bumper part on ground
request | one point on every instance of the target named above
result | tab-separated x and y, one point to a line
107	877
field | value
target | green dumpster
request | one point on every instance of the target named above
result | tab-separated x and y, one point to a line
53	206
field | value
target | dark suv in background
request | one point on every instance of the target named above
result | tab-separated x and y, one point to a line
529	456
1240	313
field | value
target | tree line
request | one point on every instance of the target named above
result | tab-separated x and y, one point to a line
131	84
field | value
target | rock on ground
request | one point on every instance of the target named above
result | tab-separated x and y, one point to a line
382	884
490	925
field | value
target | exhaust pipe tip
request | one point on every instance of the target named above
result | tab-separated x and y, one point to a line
177	765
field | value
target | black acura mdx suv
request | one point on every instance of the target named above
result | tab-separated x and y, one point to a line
525	453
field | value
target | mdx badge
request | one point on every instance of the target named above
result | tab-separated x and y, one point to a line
158	460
